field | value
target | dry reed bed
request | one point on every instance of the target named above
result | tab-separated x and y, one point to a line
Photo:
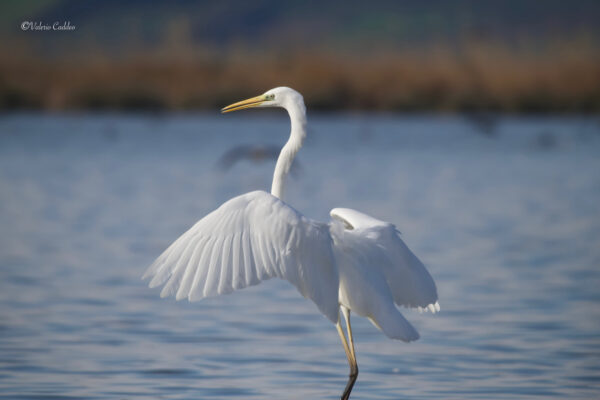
474	77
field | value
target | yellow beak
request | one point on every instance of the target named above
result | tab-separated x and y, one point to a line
248	103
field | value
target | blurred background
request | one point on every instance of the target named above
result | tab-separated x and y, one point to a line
464	55
473	126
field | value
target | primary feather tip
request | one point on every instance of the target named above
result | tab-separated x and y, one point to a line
433	307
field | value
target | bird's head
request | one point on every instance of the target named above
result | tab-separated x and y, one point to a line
284	97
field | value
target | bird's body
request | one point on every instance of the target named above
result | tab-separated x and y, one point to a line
353	263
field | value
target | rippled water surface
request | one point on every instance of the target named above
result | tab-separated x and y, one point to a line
506	215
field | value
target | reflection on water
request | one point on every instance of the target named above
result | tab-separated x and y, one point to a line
508	226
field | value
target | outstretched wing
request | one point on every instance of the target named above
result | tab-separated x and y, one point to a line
410	283
250	238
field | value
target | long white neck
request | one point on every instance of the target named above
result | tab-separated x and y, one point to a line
297	114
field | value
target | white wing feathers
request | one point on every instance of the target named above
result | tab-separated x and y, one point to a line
363	286
357	260
250	238
410	283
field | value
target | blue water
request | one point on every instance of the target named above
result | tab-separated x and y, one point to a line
507	221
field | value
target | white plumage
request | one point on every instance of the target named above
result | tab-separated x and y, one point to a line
354	263
249	239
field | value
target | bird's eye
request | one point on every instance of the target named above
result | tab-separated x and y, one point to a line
271	96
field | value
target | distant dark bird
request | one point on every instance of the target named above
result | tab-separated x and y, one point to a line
485	122
255	154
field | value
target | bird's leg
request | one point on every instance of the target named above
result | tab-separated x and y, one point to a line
349	353
351	379
344	342
346	313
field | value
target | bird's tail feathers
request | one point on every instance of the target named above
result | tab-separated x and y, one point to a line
393	324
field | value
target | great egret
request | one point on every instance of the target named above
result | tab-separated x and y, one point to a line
353	263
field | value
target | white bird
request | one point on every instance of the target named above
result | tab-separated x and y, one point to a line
353	263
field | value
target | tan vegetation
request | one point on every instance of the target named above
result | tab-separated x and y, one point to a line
475	76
